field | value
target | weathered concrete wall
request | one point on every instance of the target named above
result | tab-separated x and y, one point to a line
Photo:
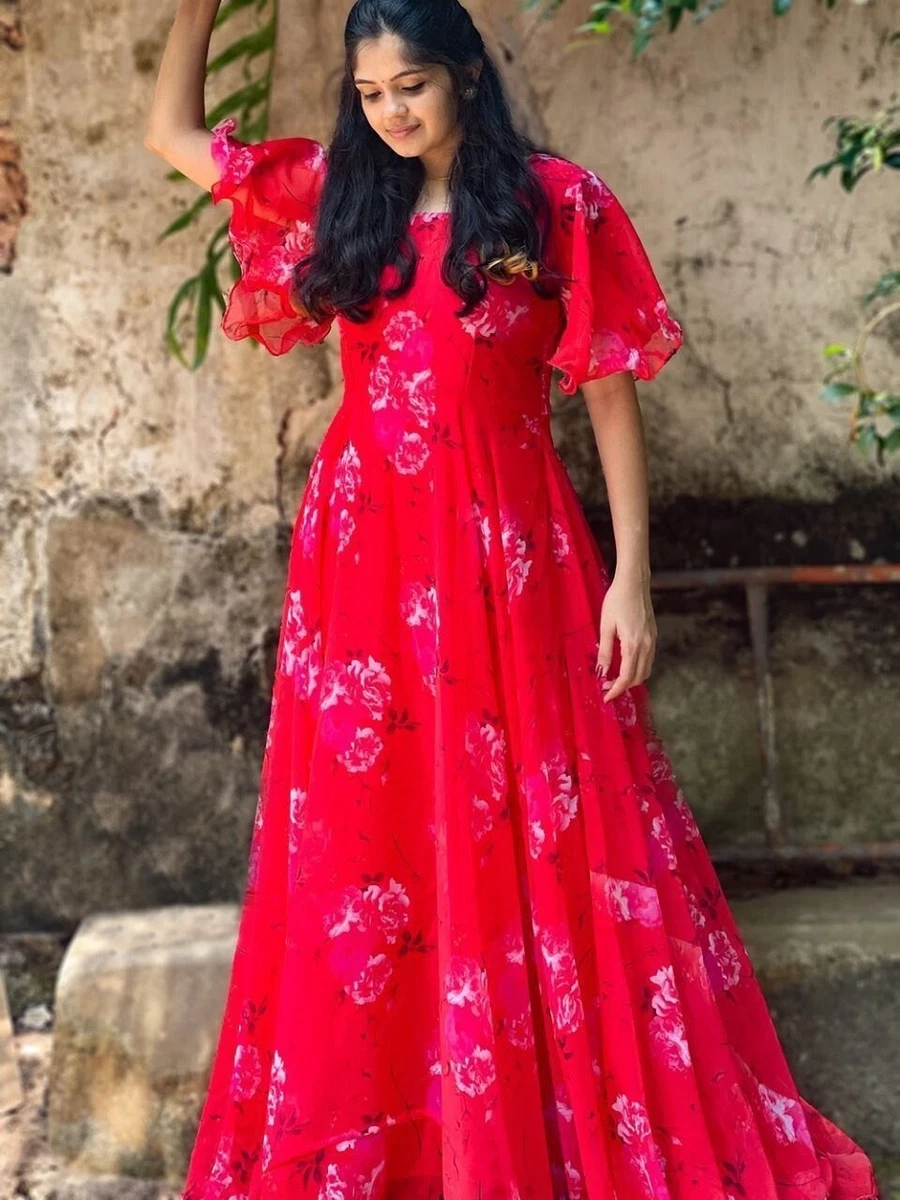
144	509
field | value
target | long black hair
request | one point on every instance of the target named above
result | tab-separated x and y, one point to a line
498	205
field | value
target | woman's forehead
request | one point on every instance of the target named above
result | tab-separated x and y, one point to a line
383	60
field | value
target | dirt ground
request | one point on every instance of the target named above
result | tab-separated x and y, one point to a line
27	1169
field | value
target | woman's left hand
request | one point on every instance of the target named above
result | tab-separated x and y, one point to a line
627	613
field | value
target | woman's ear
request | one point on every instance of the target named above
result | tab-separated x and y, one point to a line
473	74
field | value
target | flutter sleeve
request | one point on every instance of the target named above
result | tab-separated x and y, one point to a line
616	317
274	187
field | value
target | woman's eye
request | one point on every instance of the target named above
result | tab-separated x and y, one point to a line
414	88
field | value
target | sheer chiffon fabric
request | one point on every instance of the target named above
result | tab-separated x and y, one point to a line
483	951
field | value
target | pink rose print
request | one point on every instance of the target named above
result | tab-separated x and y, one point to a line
234	161
559	541
643	1153
247	1074
308	669
785	1116
684	818
515	549
589	196
486	759
419	609
295	633
296	814
389	908
468	1026
667	1031
513	996
483	525
632	901
344	491
566	1006
362	923
661	848
371	981
551	800
494	315
402	397
308	516
354	693
723	963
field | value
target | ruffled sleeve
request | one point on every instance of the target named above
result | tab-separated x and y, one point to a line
616	317
274	187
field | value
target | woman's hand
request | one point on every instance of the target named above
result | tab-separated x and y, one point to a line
627	613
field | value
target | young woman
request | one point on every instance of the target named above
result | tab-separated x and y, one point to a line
483	951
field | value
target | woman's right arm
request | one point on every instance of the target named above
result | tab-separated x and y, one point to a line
176	129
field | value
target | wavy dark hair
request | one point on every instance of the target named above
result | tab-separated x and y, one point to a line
498	205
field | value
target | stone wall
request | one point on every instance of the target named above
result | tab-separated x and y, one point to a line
145	510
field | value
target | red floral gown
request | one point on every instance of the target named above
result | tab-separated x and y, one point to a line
483	953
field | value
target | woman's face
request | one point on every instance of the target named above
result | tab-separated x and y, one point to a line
410	106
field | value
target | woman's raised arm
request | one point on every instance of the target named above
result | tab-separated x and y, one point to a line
176	129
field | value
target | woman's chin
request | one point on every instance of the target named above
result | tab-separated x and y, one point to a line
407	148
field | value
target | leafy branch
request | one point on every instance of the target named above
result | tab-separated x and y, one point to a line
875	414
863	148
191	310
646	17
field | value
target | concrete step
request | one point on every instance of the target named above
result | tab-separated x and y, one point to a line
828	961
139	1000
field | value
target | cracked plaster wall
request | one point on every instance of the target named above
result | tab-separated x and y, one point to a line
145	510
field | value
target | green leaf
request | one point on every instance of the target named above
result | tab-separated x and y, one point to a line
228	10
866	437
245	97
887	285
184	294
261	41
836	392
204	319
187	217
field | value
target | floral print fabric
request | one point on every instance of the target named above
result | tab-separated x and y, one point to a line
482	952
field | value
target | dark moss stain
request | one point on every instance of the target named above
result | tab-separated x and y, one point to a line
236	706
28	727
144	53
693	532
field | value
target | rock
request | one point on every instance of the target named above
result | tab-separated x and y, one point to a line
11	1095
828	961
139	1001
36	1017
140	995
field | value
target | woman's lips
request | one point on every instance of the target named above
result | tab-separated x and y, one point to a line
404	132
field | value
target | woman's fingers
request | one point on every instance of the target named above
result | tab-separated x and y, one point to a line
605	648
637	660
625	678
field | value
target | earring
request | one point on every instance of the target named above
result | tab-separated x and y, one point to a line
469	93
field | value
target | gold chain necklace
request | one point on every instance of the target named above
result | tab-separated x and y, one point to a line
435	179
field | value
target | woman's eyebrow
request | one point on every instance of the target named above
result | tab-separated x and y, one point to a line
399	75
